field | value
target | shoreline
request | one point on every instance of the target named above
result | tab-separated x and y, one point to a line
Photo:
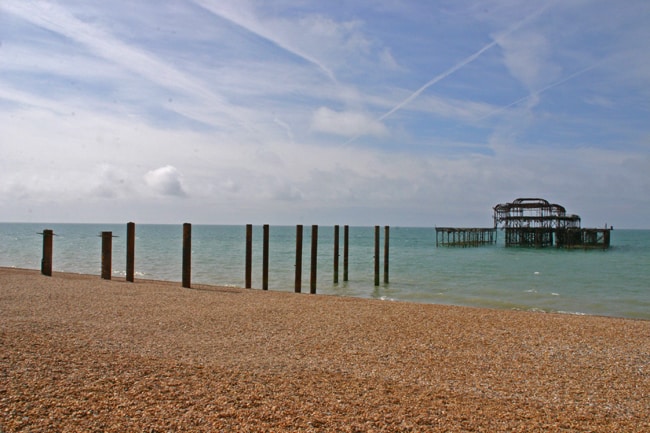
609	284
80	354
207	286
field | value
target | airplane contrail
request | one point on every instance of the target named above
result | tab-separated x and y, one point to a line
542	90
253	25
60	20
456	67
436	79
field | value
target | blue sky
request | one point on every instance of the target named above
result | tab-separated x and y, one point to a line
366	112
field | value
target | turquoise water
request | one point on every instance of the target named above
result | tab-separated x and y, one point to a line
614	282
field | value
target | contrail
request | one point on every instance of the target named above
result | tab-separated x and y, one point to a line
433	81
455	68
253	25
146	65
430	83
542	90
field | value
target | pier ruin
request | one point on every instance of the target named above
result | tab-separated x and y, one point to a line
465	237
529	222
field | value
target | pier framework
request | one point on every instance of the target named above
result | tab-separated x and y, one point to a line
465	237
528	222
534	222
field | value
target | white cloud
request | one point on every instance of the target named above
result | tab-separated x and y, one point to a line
252	105
136	62
112	182
287	192
166	181
527	55
346	123
388	61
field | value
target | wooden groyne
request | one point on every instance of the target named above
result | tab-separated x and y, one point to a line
107	254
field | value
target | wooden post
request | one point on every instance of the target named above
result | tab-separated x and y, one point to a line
298	281
314	259
265	258
187	255
346	237
107	252
336	254
46	261
376	255
249	255
386	249
130	252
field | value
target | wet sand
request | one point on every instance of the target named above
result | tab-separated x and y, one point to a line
81	354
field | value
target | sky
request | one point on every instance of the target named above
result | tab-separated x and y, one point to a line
365	112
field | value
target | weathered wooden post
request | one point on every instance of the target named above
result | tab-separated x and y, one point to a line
130	252
346	238
249	255
298	280
314	259
187	255
386	249
46	261
376	255
265	258
107	254
336	254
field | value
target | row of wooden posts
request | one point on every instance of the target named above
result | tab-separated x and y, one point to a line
107	248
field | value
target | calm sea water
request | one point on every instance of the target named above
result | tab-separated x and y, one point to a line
613	282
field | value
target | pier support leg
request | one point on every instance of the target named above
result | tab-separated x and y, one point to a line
265	258
187	255
314	259
346	239
376	255
46	261
386	252
249	255
336	254
130	252
107	254
298	279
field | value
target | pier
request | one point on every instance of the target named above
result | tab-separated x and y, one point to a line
534	222
465	237
529	222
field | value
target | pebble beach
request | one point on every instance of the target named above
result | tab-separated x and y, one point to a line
82	354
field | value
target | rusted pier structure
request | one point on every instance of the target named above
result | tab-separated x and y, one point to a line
583	238
528	222
534	222
465	237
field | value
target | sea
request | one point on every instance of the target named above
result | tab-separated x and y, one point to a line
612	282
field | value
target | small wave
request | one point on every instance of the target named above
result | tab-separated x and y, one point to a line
572	313
123	273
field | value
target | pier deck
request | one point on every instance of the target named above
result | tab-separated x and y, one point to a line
465	237
529	222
